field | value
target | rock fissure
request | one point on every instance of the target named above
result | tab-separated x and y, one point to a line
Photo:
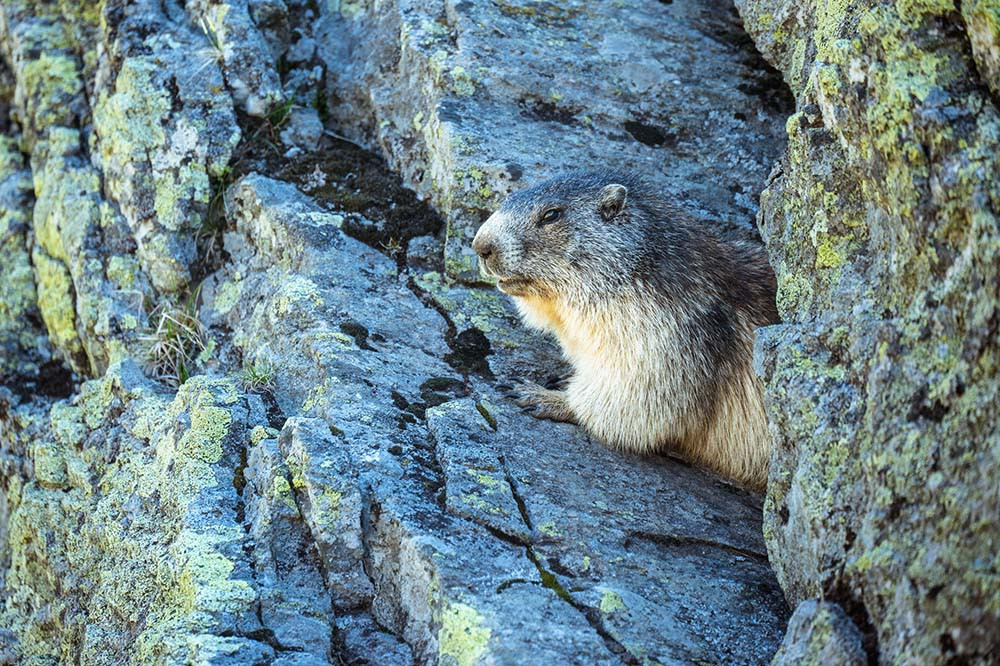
684	540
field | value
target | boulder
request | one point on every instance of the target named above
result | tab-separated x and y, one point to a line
883	384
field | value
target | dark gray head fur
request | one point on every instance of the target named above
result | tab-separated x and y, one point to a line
616	232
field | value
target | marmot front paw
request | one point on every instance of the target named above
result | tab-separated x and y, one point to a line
543	403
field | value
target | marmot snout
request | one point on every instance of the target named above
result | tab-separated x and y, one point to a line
655	313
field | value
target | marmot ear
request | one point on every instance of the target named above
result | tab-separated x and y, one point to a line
612	200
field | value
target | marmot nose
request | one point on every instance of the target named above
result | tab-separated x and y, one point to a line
484	248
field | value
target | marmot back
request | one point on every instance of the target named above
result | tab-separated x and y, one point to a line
655	312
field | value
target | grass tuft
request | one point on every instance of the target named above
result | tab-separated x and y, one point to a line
174	340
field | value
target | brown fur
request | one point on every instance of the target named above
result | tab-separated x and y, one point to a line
655	313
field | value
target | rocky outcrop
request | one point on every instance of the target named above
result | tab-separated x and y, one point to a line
247	415
467	98
464	511
882	385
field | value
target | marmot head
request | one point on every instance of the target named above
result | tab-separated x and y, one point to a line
574	231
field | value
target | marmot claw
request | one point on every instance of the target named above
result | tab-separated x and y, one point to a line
543	403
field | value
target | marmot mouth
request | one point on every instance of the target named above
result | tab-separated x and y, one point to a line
513	284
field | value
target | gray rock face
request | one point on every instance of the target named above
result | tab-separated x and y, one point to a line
338	478
473	517
821	633
241	33
467	98
164	125
883	382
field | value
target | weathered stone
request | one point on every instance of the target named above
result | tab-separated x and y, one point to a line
465	527
642	547
302	129
22	344
982	23
467	99
73	230
883	387
321	477
164	126
367	643
138	531
252	79
821	634
294	602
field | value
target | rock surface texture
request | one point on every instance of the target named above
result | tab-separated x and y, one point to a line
467	98
249	416
883	385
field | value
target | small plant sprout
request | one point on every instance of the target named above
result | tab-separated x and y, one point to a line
258	377
393	246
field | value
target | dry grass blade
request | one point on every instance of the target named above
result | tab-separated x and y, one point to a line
174	343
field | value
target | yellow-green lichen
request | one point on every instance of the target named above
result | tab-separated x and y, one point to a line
549	529
56	303
281	491
611	602
260	433
462	82
463	637
17	284
483	479
139	553
295	293
51	81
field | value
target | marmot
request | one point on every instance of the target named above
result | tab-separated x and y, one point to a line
655	312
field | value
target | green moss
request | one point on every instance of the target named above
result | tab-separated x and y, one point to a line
463	637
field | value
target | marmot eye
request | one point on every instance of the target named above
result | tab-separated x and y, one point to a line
550	216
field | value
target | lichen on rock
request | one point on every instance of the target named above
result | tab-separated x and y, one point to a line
882	383
468	100
130	527
164	126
